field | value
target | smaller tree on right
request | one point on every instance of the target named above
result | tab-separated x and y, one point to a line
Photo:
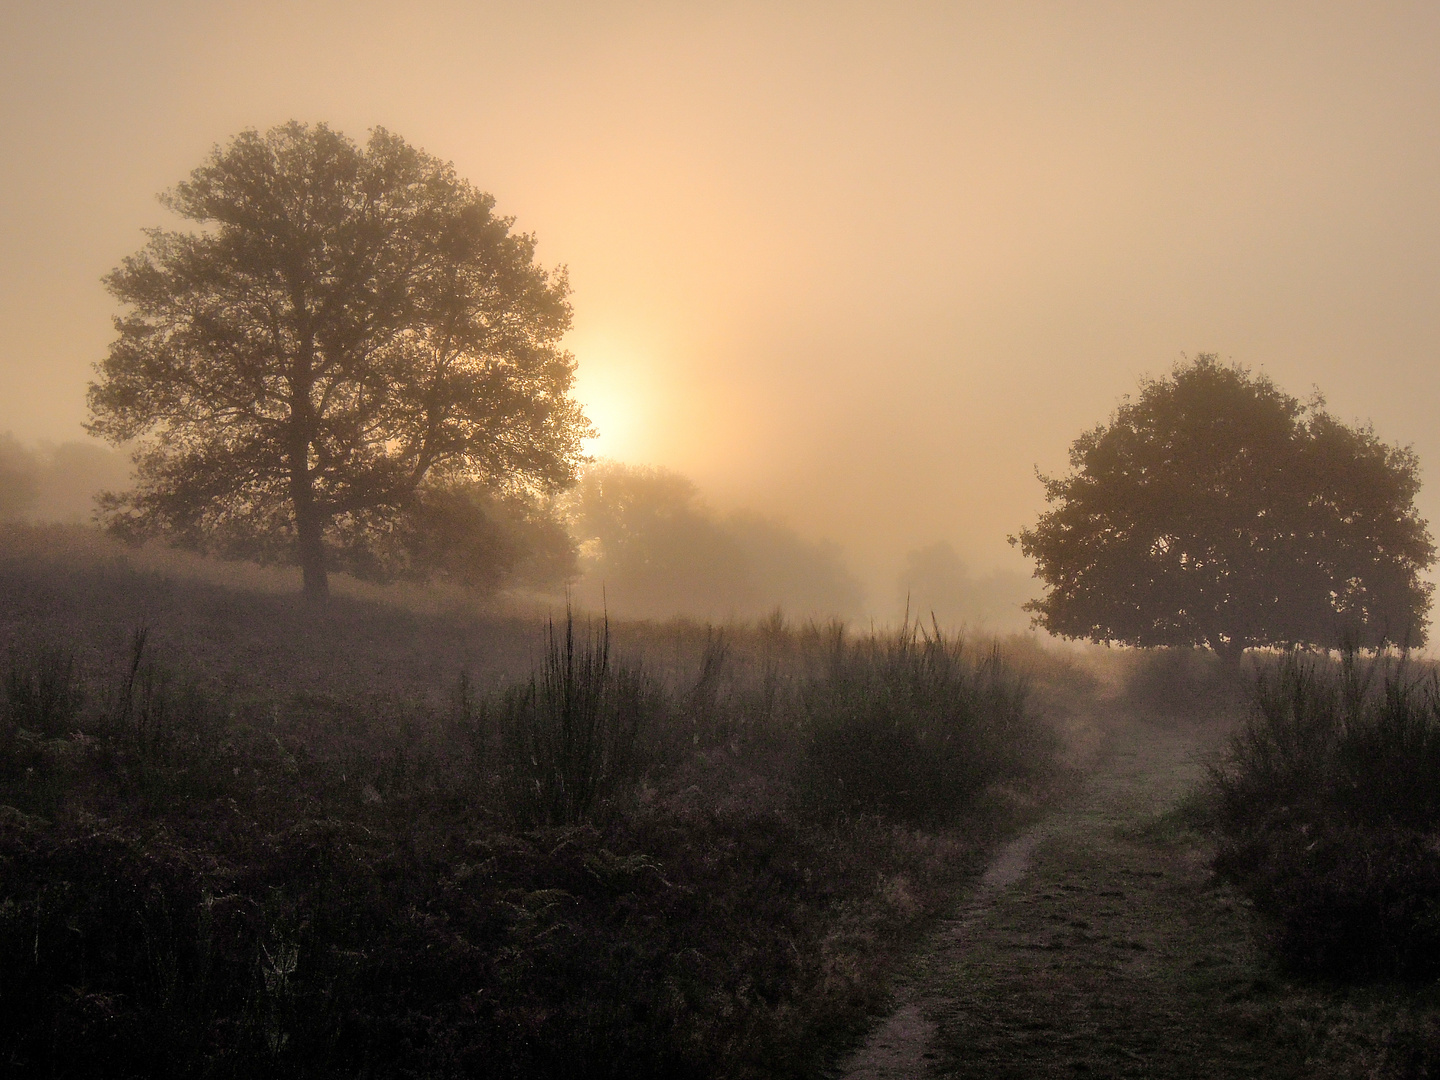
1215	509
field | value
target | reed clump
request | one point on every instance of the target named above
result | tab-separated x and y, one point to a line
567	737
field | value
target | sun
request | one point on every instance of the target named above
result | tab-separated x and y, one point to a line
609	386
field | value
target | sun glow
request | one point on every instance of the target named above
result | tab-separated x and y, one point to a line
610	387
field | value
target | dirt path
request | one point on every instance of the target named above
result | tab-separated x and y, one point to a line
1095	945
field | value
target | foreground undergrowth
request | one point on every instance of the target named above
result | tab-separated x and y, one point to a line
618	867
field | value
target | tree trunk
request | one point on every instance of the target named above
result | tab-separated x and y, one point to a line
1231	653
309	523
310	539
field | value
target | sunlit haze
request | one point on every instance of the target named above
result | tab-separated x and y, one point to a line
858	267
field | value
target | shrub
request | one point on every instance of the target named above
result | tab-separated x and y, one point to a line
1349	901
1326	805
909	726
568	736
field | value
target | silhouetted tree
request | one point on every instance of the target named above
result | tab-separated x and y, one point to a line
352	330
1214	509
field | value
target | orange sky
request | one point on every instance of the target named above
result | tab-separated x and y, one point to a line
861	266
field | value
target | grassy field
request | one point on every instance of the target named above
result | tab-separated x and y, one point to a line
408	836
240	837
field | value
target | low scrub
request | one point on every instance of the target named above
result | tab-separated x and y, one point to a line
609	868
912	727
1327	805
1177	683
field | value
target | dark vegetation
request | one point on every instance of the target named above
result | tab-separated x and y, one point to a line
352	362
1180	685
239	836
1214	509
1326	804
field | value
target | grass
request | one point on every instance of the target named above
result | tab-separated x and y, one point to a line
910	725
392	841
1325	804
568	737
1123	954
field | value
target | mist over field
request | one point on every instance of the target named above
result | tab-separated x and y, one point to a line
57	482
853	271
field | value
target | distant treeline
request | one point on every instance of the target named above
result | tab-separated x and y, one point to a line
639	541
56	482
650	548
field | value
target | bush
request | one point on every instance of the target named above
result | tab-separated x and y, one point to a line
567	737
42	691
1327	803
1347	901
909	726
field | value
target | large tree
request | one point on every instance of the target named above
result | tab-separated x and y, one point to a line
350	337
1215	509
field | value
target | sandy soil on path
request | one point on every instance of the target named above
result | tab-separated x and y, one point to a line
1096	944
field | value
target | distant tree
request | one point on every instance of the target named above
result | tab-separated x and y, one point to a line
467	534
1215	509
19	479
935	581
71	475
351	333
655	550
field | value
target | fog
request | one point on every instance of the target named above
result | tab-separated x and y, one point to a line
57	483
853	273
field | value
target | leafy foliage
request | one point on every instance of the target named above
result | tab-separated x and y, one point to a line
1215	509
353	329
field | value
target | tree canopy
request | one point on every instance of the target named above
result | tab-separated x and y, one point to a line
353	343
1215	509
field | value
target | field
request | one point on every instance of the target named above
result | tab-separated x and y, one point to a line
238	834
408	837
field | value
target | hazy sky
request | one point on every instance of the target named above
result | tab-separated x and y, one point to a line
861	266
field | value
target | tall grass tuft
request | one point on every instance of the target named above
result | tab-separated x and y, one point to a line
568	736
1327	804
910	726
43	691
